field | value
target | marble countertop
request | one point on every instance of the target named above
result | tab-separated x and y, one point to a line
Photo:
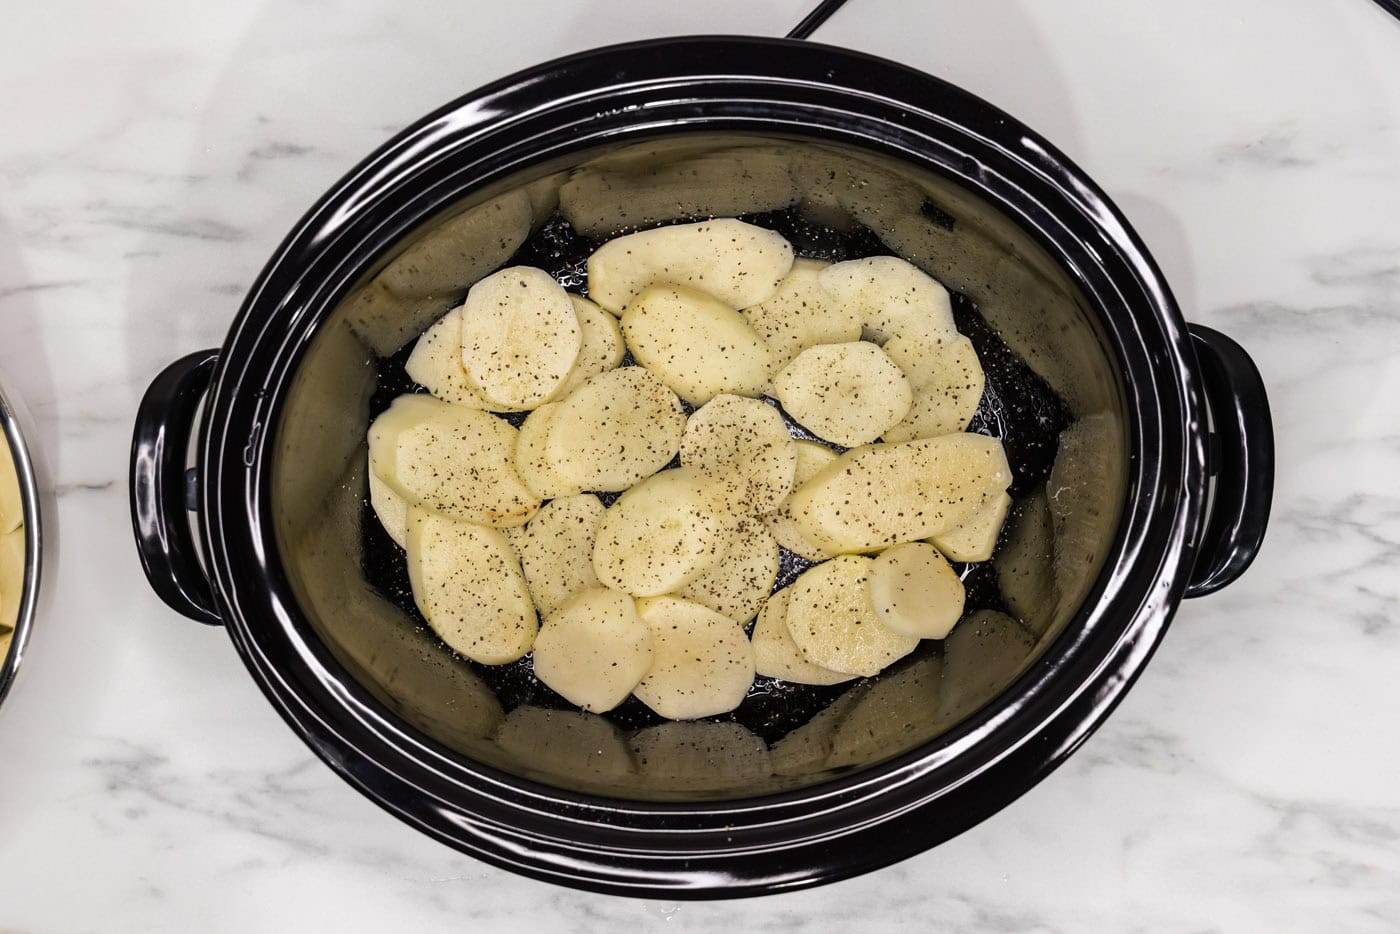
152	156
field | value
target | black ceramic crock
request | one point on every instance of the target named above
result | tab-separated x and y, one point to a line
1172	536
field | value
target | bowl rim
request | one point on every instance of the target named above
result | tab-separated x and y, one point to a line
841	827
13	424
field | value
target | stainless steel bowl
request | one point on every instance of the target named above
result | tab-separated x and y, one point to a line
12	420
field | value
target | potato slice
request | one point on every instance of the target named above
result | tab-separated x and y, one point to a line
594	649
520	336
436	365
947	379
390	508
902	492
699	346
775	655
915	592
834	624
897	712
980	656
802	314
11	577
601	346
806	749
532	460
451	459
663	533
738	585
467	583
11	509
618	428
735	263
848	393
812	458
976	537
702	663
700	756
564	743
891	296
556	551
744	445
1025	563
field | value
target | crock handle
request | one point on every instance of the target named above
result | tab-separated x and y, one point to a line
159	505
1240	458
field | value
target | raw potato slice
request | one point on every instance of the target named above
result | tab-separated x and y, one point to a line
738	585
902	492
833	623
806	749
980	656
618	428
601	347
891	297
948	381
848	393
532	459
976	538
11	509
775	655
390	508
436	365
1024	565
899	711
736	263
915	592
520	336
467	582
702	664
564	743
594	649
11	577
744	445
700	756
699	346
556	552
451	459
812	458
802	314
663	533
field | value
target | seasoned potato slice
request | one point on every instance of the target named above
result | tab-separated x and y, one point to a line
980	656
975	538
812	458
902	492
663	533
594	649
702	663
898	711
556	551
520	336
744	445
700	756
436	365
532	461
451	459
892	297
565	743
775	655
947	379
738	585
834	624
849	393
619	427
468	584
390	508
735	263
802	314
601	346
699	346
915	592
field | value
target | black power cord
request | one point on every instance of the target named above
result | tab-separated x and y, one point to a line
819	15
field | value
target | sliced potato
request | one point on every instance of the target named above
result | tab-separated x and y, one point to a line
601	346
451	459
556	551
618	428
915	592
812	458
702	663
802	314
892	297
738	585
594	649
11	576
775	655
897	712
834	624
699	346
700	756
980	656
975	538
468	585
744	445
390	508
520	336
848	393
806	749
735	263
948	381
1025	563
532	460
11	509
564	743
436	365
901	492
663	533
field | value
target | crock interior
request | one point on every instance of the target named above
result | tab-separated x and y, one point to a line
1057	395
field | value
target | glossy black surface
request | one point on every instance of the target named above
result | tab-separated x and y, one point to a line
852	823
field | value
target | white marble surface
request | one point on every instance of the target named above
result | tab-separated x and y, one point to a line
153	153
